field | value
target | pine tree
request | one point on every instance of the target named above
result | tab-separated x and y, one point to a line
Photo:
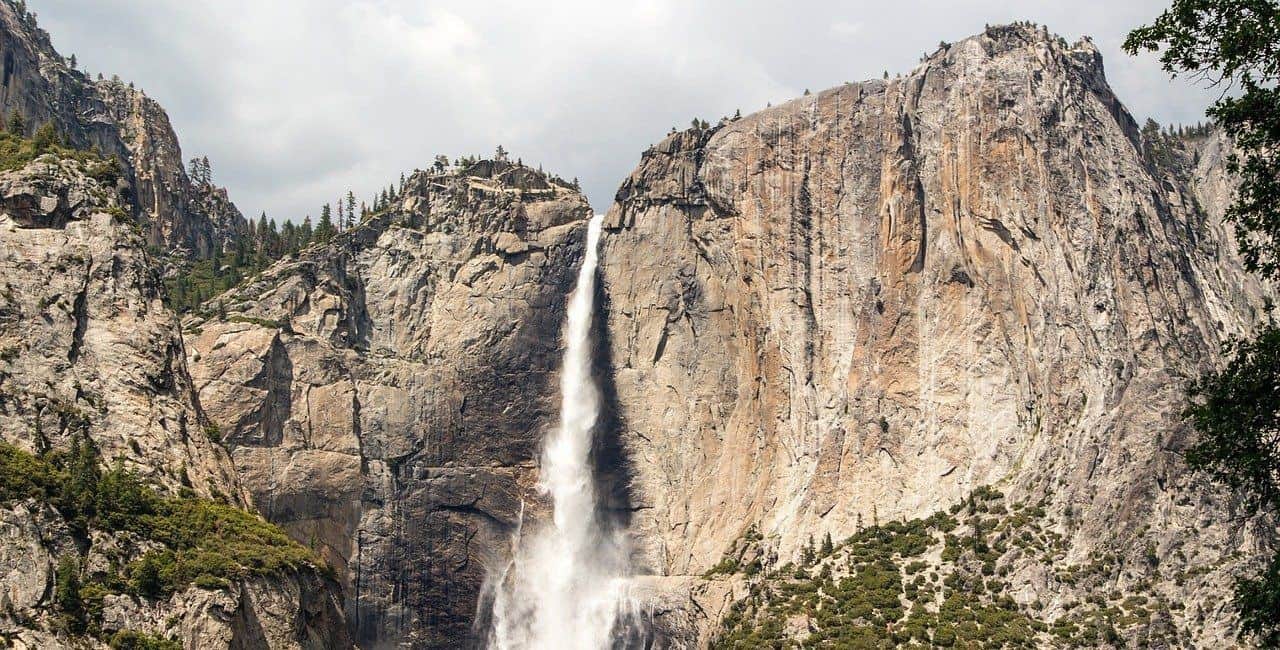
67	590
351	205
325	230
263	239
275	243
288	238
45	138
16	126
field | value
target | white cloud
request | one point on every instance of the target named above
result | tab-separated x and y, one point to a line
845	29
297	100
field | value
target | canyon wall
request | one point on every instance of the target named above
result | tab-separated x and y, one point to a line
89	354
863	304
92	359
178	215
857	307
385	394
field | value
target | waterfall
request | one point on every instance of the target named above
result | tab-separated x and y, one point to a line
567	584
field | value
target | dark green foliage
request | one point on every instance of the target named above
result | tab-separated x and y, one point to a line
198	281
133	640
1237	414
1258	600
66	592
1236	411
16	125
16	151
45	139
206	543
881	588
213	542
325	230
145	577
1237	43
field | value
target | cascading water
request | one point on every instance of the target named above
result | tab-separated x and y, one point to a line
567	584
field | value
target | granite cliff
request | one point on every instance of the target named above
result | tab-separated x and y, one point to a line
852	310
899	360
192	219
93	376
122	520
385	394
866	304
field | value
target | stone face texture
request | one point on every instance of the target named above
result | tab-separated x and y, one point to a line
853	307
863	304
88	343
385	395
88	347
118	120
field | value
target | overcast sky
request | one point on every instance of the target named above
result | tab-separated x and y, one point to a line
295	101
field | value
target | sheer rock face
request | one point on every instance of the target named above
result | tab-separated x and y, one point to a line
863	304
35	81
88	344
385	395
87	347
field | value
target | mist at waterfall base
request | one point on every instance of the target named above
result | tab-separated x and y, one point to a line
567	585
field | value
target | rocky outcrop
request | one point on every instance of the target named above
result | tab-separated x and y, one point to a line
863	304
113	117
88	351
384	395
87	341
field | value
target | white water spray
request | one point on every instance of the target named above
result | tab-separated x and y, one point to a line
567	585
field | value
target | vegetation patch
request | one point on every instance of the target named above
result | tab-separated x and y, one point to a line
192	540
938	582
134	640
17	150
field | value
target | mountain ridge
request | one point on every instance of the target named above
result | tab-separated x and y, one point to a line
179	215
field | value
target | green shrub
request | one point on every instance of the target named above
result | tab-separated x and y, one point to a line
725	566
204	542
134	640
66	592
16	152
